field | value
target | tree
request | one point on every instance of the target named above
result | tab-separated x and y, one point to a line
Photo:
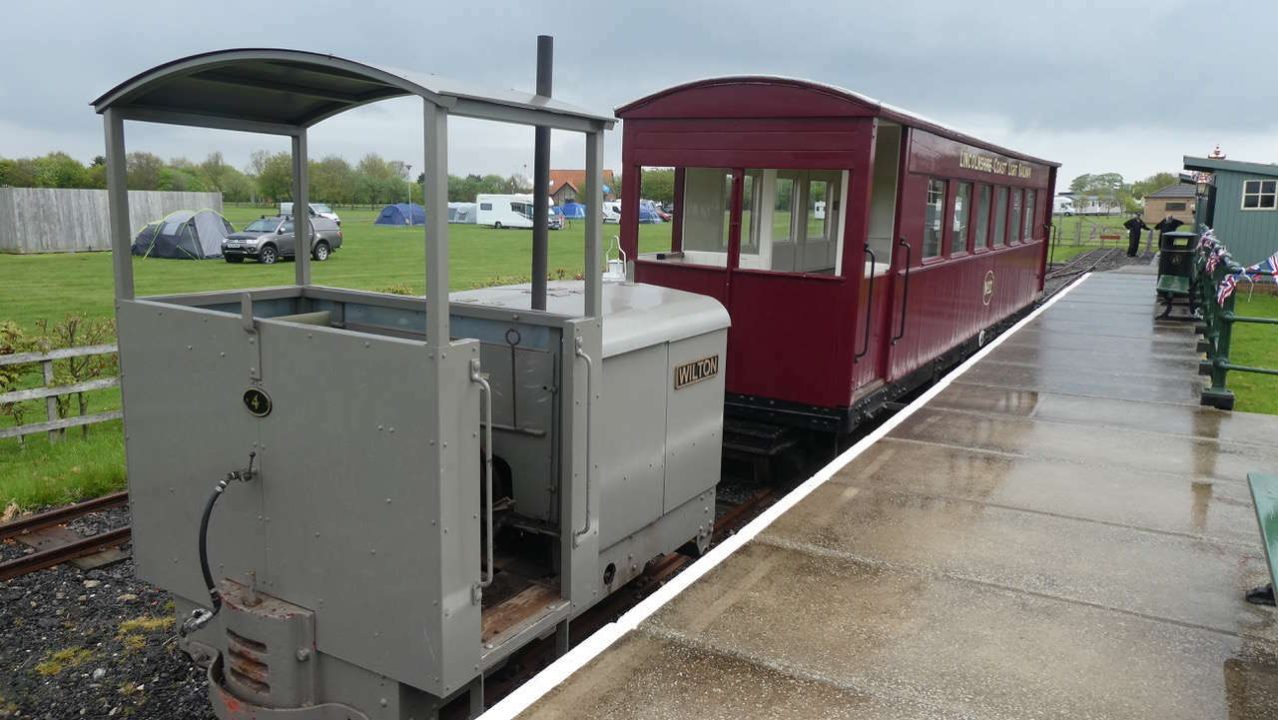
332	180
19	172
59	170
1108	188
257	162
237	187
1153	183
275	179
142	170
214	170
657	184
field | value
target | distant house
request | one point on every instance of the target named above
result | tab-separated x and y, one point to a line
1176	200
1240	201
566	184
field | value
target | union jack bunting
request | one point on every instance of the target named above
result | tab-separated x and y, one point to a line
1213	259
1269	265
1208	239
1226	288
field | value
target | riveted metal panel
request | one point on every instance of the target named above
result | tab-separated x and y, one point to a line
185	429
632	438
525	391
352	497
694	420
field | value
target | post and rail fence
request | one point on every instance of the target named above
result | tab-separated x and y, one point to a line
54	424
1213	289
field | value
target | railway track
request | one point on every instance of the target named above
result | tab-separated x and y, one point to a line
1085	263
57	544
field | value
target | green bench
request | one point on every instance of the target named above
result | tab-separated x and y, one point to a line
1264	493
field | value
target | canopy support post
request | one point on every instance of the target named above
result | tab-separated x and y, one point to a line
594	222
541	178
435	200
301	212
118	204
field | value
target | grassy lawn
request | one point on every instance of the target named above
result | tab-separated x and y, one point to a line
1257	346
35	287
372	258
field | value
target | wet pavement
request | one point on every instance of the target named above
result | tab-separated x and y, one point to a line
1061	533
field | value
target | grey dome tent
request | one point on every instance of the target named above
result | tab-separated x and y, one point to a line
462	212
184	235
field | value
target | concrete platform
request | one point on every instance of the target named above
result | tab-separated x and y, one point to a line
1061	533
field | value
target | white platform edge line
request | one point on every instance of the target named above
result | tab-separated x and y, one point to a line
558	671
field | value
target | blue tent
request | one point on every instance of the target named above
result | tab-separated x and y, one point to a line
574	211
648	213
401	214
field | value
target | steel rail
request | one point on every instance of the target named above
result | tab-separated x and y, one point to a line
58	555
61	515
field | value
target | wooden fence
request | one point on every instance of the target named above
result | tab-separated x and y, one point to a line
54	424
49	220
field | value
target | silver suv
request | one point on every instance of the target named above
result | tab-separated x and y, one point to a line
270	238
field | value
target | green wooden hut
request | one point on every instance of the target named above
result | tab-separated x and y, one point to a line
1240	200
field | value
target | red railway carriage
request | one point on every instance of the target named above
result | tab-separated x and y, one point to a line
859	249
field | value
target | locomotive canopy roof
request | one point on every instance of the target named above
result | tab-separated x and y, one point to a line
276	91
767	96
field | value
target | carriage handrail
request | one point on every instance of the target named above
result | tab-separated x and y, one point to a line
869	305
905	291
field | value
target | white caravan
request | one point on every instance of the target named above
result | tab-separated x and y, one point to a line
506	211
612	211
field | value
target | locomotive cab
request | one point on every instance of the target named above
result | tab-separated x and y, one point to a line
361	502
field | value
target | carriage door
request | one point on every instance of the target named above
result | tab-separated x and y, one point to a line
785	286
875	299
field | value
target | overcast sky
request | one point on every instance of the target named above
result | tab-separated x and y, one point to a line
1128	87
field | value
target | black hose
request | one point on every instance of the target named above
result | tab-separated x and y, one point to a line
214	595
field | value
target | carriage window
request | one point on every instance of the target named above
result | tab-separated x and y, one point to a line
932	219
791	220
962	216
707	202
1000	217
982	220
1015	227
1029	215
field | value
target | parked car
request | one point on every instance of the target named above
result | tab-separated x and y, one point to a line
270	238
612	211
317	210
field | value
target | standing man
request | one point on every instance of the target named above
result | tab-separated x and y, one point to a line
1134	227
1166	225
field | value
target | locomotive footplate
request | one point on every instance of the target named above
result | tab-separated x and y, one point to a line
757	443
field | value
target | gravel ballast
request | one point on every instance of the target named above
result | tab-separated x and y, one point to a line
93	644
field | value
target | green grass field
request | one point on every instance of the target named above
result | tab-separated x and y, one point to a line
1256	346
35	287
39	287
372	258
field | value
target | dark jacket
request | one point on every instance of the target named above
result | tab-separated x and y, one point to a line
1134	227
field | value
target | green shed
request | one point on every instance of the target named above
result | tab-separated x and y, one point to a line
1240	201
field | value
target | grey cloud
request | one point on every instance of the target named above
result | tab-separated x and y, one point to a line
1041	67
